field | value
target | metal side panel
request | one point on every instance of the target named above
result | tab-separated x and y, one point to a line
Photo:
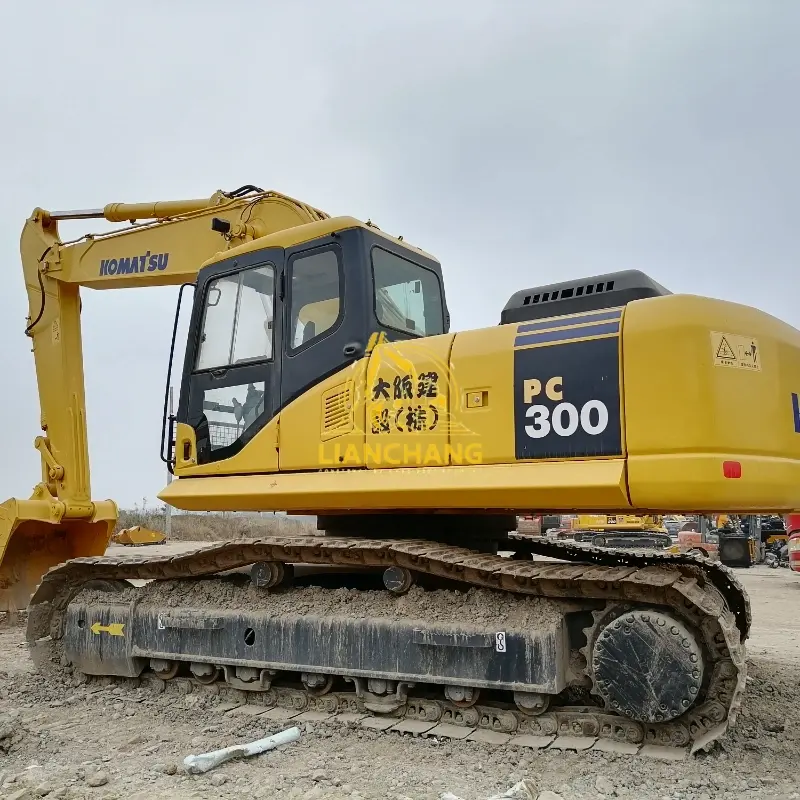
98	639
533	661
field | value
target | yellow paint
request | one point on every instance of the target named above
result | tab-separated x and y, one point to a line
678	435
187	238
375	338
484	361
305	440
567	325
35	536
733	350
600	485
138	535
260	454
113	629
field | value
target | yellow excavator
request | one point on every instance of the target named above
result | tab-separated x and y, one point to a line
320	377
621	530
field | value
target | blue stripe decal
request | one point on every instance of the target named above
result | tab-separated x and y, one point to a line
560	322
566	335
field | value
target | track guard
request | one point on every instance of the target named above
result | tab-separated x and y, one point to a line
102	638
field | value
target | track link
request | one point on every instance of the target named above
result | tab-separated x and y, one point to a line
703	593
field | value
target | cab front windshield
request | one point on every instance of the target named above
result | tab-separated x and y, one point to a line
237	333
408	296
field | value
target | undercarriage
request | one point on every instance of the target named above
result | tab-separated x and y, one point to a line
633	647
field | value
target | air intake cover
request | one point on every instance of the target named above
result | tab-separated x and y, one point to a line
573	297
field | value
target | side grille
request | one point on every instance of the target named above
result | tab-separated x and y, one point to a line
337	410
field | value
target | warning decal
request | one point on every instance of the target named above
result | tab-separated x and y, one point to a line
734	350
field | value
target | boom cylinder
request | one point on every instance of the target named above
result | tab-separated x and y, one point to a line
128	212
123	212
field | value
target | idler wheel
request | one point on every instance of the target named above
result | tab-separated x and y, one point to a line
647	666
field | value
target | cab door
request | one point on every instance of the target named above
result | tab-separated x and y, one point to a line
324	314
232	366
326	309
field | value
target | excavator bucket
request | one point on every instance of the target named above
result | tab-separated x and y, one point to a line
32	542
138	535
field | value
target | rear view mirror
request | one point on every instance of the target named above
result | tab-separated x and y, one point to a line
213	296
417	287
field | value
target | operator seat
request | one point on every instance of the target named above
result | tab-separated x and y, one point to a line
309	332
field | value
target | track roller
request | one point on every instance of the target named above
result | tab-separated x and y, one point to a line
531	703
205	673
398	580
317	684
381	696
166	670
268	574
462	696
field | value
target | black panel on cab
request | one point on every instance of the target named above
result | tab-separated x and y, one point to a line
573	297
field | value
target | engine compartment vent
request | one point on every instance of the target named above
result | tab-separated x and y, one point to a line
337	411
573	297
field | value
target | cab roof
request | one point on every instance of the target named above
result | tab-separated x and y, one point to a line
307	232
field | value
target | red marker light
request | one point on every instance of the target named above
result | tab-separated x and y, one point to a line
732	469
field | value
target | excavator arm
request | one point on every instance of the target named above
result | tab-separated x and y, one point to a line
166	243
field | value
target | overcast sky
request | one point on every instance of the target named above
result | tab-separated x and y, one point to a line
520	142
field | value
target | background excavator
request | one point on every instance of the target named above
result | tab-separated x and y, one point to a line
622	530
320	377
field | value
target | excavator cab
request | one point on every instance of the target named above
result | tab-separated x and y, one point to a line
269	324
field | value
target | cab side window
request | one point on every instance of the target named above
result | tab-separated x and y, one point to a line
315	295
408	296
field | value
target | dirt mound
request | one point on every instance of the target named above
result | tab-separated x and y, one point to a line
471	609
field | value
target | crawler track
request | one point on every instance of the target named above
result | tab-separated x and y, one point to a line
704	594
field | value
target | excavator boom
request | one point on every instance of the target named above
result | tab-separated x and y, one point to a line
166	244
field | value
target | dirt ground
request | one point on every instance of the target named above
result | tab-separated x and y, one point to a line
66	741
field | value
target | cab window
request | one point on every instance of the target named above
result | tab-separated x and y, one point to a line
237	320
315	296
231	410
408	296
